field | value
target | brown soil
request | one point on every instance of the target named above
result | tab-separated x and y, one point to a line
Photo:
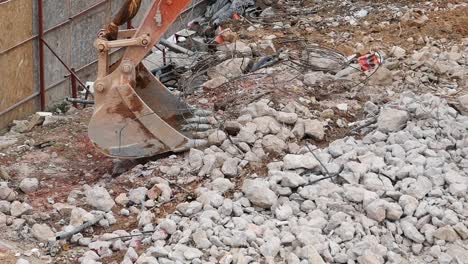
70	159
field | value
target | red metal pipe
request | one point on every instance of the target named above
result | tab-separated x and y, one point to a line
73	86
41	56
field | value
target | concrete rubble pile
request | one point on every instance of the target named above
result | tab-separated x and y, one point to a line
398	192
275	184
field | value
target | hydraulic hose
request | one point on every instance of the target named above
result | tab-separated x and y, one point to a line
126	13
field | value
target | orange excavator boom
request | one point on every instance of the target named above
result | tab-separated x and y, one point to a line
135	115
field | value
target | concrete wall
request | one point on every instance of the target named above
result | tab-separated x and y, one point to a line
71	31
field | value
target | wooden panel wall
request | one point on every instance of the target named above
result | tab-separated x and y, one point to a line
16	66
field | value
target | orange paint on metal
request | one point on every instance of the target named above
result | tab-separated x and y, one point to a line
135	114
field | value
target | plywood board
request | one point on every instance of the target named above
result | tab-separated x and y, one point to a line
16	75
15	22
21	112
16	71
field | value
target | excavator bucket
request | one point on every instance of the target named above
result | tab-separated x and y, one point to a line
140	121
135	115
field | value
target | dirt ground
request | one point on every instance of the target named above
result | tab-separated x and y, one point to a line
62	157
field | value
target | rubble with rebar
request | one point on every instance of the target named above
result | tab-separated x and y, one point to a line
312	160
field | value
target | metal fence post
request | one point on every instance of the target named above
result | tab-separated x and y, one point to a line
73	86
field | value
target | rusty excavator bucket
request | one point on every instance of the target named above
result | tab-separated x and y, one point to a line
135	114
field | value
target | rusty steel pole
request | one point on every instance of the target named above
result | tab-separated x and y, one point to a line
41	55
73	86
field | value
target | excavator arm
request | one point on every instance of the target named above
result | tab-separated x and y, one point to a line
126	13
135	115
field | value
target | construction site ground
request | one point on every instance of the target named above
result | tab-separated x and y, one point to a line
63	159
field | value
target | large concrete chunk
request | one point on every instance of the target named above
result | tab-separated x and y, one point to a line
231	68
258	193
307	161
99	198
392	120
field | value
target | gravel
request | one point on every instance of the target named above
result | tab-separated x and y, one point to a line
398	193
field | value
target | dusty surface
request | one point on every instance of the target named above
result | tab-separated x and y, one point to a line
63	159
